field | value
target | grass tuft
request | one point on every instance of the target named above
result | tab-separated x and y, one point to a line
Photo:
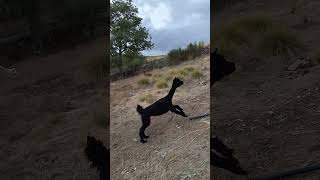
279	42
161	84
144	81
149	98
197	74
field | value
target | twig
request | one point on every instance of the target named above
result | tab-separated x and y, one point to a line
201	116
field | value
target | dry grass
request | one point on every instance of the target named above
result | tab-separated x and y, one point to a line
197	74
163	80
149	98
279	42
161	84
260	34
144	81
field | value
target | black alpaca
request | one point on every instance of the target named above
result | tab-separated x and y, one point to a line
221	156
158	108
220	67
98	154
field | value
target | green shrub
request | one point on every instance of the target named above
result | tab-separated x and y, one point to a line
192	51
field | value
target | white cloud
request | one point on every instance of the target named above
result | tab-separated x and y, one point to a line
158	15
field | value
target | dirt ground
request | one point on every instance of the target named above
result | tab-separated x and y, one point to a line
269	116
47	111
178	148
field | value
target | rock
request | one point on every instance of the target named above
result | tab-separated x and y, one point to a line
300	63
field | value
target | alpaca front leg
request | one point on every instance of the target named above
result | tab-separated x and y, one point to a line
181	110
181	113
178	107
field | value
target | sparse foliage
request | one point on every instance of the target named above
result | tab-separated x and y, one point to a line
128	36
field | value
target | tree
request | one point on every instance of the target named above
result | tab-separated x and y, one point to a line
128	36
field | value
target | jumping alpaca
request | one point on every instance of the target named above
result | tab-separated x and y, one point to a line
98	154
158	108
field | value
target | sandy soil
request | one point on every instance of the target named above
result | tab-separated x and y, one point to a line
269	116
178	148
47	112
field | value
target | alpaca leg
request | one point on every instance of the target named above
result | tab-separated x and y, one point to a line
147	124
174	110
178	107
141	134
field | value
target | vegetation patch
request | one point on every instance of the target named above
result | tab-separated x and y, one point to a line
197	74
259	34
161	84
192	51
279	42
144	81
149	98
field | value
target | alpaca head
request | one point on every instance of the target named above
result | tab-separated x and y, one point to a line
177	82
221	66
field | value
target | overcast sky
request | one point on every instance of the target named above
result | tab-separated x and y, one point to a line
174	23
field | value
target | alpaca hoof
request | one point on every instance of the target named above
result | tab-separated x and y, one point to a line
143	141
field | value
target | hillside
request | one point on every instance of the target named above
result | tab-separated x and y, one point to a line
178	148
268	110
47	111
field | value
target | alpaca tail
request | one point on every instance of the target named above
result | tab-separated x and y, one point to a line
140	109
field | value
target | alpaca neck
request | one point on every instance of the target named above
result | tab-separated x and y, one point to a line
171	92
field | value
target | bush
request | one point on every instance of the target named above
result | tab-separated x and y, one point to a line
192	51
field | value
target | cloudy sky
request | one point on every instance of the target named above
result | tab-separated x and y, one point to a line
175	23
